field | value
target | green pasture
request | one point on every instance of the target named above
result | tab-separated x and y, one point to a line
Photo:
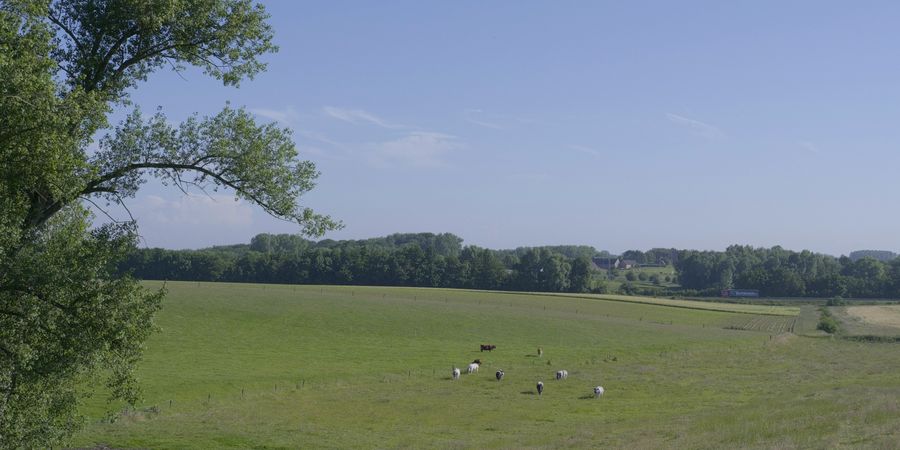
263	366
613	285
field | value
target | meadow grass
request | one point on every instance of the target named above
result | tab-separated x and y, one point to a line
264	366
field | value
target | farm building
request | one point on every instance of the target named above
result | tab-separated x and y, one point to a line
604	263
612	263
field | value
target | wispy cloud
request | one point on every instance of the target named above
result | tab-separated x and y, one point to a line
809	146
697	127
315	136
588	150
357	116
530	177
421	149
287	116
291	118
477	117
215	210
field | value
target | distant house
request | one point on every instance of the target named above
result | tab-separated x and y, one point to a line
613	263
605	263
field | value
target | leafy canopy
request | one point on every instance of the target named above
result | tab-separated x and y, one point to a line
65	65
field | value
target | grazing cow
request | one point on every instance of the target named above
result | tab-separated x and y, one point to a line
540	388
562	374
598	391
456	373
500	374
472	368
540	352
488	347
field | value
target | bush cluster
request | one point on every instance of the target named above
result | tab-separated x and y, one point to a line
827	322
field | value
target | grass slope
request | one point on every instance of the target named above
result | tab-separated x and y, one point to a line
346	367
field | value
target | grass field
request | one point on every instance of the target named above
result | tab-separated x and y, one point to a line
262	366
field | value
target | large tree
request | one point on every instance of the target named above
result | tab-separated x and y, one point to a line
65	66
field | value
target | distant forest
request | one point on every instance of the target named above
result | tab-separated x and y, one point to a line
440	260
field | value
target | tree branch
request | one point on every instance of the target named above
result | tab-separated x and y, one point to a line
57	22
93	186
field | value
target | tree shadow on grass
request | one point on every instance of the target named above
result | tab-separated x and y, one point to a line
586	397
528	393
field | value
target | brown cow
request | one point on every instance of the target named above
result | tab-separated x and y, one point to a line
488	347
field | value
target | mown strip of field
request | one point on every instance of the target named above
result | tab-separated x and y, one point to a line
698	305
874	322
765	323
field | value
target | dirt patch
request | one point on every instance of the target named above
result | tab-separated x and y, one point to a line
885	316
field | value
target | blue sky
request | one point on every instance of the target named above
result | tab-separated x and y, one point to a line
619	125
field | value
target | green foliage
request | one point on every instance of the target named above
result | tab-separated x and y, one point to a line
630	276
422	259
580	275
828	325
65	317
65	65
776	272
827	322
569	251
836	301
628	288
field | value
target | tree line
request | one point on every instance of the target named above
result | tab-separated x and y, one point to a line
777	272
441	260
410	259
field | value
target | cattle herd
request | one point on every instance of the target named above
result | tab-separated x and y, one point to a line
560	374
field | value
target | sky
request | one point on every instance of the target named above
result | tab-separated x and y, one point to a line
621	125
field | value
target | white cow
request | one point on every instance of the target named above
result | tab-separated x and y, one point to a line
472	368
562	374
456	373
598	391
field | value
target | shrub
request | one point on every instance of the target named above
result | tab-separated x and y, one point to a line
827	323
628	289
836	301
642	276
630	276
